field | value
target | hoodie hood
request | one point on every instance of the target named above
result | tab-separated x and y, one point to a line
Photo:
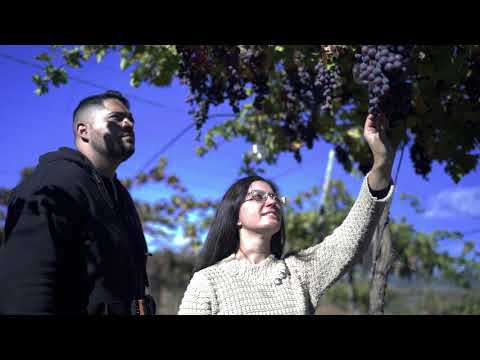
75	156
66	154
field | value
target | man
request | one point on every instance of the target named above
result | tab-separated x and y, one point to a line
74	243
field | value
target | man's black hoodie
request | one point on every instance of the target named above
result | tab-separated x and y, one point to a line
71	245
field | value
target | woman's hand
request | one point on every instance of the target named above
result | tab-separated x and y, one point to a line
382	149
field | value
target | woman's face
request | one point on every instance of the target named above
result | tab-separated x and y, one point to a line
258	214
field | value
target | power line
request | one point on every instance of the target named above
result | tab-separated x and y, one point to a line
131	96
167	145
101	87
177	137
85	82
470	232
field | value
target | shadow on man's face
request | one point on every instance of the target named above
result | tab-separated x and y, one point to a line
119	142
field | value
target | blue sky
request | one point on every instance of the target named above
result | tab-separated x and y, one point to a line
35	124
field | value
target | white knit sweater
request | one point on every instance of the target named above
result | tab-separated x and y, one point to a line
292	285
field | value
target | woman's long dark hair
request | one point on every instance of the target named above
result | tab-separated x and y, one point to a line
223	238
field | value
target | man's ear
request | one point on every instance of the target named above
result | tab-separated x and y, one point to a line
82	131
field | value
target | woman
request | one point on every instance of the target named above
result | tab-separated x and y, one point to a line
241	269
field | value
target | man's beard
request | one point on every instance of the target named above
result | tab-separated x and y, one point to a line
113	149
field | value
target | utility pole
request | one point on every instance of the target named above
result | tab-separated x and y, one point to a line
352	292
326	180
326	188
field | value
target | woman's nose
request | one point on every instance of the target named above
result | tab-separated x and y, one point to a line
270	201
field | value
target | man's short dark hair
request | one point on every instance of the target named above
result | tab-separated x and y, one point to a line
96	100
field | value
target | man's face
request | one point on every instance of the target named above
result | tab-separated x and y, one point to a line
112	133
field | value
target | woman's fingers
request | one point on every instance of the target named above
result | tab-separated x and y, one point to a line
375	124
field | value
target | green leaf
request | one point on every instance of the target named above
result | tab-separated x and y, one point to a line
59	76
468	247
43	57
200	151
123	63
100	55
433	134
36	79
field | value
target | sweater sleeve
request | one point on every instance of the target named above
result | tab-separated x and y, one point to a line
198	297
320	266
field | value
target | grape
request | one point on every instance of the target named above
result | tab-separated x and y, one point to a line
383	71
254	59
307	87
207	87
468	91
215	74
330	82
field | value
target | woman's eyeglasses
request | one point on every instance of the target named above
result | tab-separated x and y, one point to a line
261	196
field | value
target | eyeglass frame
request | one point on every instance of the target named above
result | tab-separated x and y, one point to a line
281	200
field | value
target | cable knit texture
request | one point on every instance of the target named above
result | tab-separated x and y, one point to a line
288	286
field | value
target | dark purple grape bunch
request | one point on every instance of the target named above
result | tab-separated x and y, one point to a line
233	84
307	87
466	91
254	58
192	72
383	68
212	74
297	89
327	81
470	89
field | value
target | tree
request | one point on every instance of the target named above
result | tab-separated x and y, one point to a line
275	88
411	253
164	216
288	97
415	254
160	218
